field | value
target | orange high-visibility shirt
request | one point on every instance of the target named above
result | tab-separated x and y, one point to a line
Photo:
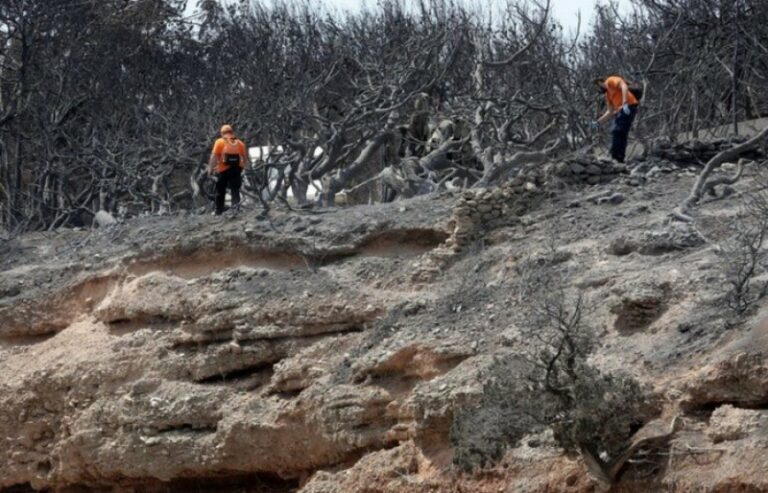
224	146
613	92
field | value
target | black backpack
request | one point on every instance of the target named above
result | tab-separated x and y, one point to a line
637	91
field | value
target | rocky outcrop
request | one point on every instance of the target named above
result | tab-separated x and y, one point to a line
329	352
697	151
729	423
208	359
478	212
740	380
674	237
639	308
588	170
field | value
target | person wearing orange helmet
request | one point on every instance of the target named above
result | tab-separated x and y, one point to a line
622	104
227	163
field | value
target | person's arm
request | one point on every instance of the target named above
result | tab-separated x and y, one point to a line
624	93
215	159
609	112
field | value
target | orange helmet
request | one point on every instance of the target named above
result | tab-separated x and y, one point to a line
227	129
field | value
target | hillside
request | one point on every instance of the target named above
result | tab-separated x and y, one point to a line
326	351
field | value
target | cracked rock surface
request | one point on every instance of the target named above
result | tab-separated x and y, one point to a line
326	351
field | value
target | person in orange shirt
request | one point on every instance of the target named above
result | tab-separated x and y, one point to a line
622	107
227	163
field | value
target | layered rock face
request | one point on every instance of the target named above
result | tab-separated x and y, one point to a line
211	354
327	352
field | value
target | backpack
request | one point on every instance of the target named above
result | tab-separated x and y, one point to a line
229	158
637	91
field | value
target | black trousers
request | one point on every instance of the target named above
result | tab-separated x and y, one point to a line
620	133
230	179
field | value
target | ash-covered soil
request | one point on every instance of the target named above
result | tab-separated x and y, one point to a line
326	351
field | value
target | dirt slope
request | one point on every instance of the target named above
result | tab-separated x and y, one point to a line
325	352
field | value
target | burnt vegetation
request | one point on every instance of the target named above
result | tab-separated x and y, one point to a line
113	105
547	382
743	252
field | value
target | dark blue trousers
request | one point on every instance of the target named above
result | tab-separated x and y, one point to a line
620	133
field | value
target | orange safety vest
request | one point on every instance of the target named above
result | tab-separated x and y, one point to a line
613	92
229	154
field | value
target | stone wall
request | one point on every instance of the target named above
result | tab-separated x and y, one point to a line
482	209
476	212
696	151
587	169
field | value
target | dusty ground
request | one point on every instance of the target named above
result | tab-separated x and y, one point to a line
312	353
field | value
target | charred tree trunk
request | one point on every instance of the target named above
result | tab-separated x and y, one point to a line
338	181
683	212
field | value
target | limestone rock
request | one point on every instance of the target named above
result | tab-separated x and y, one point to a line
102	219
187	353
729	423
740	379
640	307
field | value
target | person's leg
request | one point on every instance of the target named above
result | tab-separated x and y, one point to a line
235	182
620	134
221	192
628	120
619	144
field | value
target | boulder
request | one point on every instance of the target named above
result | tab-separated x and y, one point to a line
103	219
